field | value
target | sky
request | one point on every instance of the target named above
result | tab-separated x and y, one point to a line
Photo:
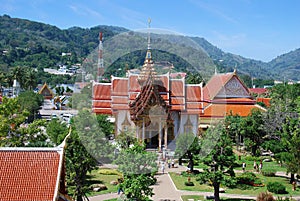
256	29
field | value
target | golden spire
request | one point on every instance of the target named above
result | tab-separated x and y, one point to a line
148	67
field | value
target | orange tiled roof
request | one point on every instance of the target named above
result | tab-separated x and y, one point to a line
165	81
221	110
101	91
134	86
266	101
28	174
102	98
215	84
177	87
235	100
258	91
193	93
102	111
119	87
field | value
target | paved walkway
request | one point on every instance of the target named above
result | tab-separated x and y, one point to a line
165	189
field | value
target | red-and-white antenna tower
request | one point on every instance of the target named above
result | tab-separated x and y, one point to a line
100	71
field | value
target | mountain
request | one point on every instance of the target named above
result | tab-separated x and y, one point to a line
229	62
286	66
28	43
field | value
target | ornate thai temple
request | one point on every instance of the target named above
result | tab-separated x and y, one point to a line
159	107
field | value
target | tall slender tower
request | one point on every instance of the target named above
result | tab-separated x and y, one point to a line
100	65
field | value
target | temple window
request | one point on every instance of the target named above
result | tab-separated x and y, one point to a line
126	124
188	126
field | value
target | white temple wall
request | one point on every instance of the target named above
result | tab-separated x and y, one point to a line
176	122
193	120
120	117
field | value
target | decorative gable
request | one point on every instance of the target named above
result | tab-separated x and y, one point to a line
46	92
233	89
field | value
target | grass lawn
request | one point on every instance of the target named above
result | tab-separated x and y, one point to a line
273	165
195	197
103	177
198	197
115	199
179	182
240	189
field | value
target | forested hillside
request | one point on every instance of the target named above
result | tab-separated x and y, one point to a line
36	45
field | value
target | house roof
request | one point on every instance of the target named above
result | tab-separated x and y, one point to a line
222	89
258	91
266	101
177	88
28	174
221	110
45	87
226	85
215	84
102	98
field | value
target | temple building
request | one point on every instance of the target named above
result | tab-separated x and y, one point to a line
159	107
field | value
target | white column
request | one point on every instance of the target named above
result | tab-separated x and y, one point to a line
137	131
143	134
166	136
159	136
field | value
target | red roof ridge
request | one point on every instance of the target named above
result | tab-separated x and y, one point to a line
58	149
119	78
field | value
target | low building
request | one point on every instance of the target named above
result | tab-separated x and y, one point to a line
46	92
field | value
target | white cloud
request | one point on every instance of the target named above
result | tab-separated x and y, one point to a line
84	10
214	10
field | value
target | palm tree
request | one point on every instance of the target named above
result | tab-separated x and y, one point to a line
30	79
18	74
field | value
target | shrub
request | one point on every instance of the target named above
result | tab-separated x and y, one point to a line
252	158
265	196
276	187
109	172
230	182
189	174
189	183
269	173
248	178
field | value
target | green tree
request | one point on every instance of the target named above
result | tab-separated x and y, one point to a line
125	139
79	163
18	74
219	160
138	167
57	131
85	148
282	123
30	79
290	140
187	145
106	126
11	118
31	102
252	128
15	131
233	127
194	78
60	90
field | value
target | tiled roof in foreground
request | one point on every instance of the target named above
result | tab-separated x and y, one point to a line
30	173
